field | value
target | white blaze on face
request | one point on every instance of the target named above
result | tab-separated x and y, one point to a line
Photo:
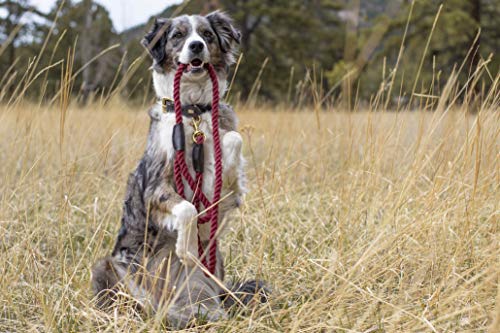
186	55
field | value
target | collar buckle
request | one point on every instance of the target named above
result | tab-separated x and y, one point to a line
164	103
190	110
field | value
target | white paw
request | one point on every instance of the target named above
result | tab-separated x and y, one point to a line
232	143
181	214
186	247
186	256
184	212
231	153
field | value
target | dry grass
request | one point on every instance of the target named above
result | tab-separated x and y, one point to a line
377	221
369	221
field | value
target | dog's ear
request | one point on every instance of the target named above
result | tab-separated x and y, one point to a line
156	40
225	30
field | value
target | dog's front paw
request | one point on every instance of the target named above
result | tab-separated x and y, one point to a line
232	143
187	257
231	153
184	213
186	247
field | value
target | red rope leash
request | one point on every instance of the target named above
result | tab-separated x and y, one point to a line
181	170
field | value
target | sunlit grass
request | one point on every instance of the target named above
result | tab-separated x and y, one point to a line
376	221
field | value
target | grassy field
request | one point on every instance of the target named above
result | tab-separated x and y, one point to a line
362	222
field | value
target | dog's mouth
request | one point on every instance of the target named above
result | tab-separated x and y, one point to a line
195	66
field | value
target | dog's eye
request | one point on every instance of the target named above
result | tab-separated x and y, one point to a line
178	34
207	34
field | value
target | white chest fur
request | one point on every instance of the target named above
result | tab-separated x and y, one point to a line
232	160
165	144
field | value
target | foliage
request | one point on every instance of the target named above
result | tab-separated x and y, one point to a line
85	28
289	47
453	37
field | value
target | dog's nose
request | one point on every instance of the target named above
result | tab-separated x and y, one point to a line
196	47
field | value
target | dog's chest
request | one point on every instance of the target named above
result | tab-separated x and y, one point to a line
165	143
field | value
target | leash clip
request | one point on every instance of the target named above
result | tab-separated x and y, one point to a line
197	132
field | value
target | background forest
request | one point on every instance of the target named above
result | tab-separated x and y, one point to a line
341	49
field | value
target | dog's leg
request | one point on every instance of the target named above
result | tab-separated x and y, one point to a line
195	299
231	152
180	215
105	279
183	219
109	276
234	175
181	315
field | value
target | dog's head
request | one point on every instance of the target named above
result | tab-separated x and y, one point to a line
193	40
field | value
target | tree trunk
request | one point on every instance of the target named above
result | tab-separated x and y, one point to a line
11	22
351	41
476	15
86	51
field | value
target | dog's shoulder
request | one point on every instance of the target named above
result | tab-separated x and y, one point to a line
227	117
155	112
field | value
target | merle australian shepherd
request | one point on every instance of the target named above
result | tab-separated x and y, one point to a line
155	258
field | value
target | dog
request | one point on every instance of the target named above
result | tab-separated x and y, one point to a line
155	258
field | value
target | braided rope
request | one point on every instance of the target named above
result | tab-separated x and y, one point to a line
214	221
181	170
179	155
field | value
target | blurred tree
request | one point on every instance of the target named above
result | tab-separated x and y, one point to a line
99	35
87	29
83	27
296	41
12	30
11	27
362	38
453	37
490	32
293	35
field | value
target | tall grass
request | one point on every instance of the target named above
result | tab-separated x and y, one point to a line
366	221
377	221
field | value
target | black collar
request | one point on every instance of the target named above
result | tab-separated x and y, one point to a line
188	110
